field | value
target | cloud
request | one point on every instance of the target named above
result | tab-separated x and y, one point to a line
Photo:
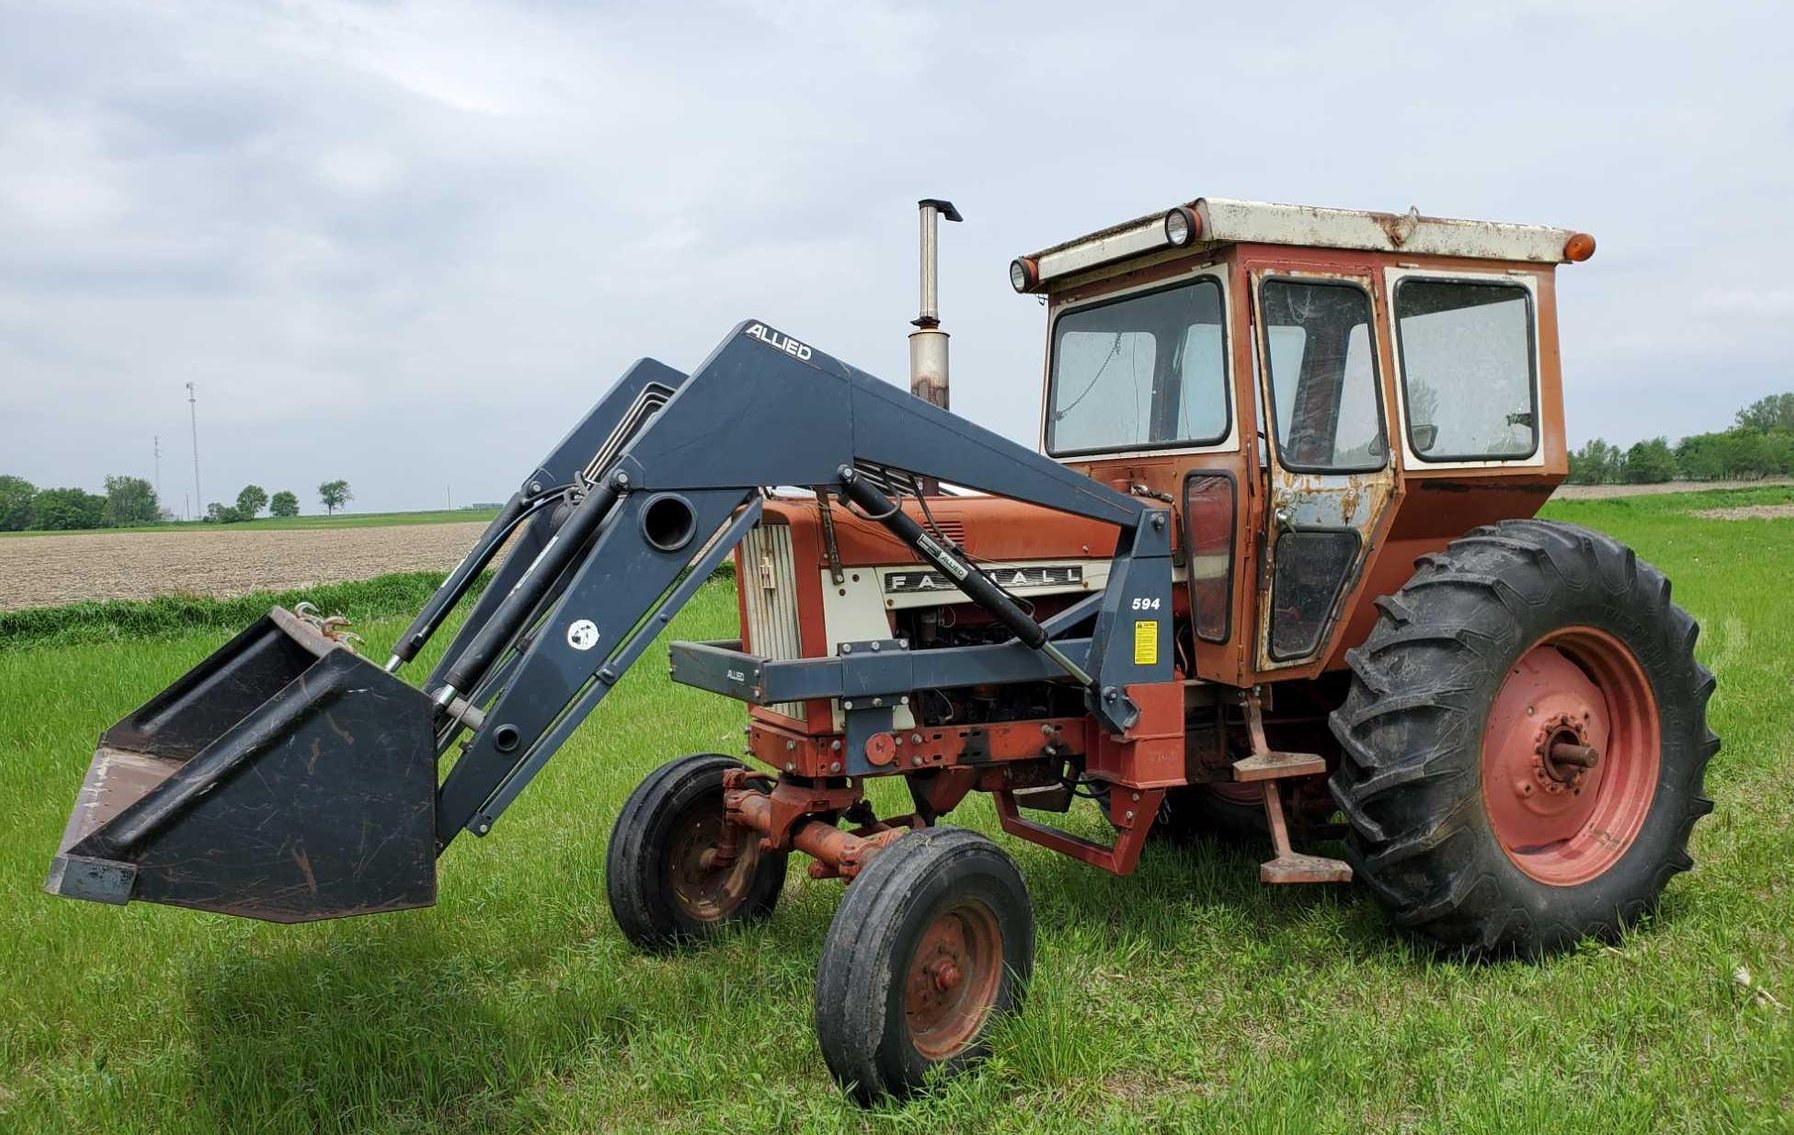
407	243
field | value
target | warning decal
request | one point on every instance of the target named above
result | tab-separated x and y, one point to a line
1146	642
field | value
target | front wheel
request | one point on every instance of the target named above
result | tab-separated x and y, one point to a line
666	885
934	940
1524	741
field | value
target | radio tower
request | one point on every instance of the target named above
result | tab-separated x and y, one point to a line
156	441
193	416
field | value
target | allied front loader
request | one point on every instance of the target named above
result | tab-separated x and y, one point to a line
1271	576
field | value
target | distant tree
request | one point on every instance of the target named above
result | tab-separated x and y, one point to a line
283	503
223	514
1780	444
1749	454
16	494
1776	412
334	495
250	501
1702	457
64	510
130	501
1596	463
1650	462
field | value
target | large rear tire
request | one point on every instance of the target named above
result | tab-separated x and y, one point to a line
664	890
1524	741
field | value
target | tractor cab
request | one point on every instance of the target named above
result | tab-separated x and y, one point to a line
1321	394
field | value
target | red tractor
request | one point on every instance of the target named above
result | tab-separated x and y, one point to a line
1271	575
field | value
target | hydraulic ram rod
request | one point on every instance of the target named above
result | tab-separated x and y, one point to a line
977	587
514	613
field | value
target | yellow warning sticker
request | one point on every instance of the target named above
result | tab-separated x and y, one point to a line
1146	642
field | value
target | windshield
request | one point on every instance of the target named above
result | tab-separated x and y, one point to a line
1147	371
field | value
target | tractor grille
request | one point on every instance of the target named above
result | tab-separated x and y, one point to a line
769	588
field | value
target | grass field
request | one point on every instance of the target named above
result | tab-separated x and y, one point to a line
289	523
1187	997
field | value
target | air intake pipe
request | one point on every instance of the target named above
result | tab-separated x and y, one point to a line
928	343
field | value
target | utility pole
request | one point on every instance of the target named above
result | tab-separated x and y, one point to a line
193	416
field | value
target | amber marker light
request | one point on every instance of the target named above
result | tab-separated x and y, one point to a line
1579	247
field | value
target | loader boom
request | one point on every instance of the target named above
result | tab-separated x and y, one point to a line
612	533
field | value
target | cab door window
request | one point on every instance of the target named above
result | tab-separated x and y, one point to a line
1322	361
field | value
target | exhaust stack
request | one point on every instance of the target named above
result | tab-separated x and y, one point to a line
928	343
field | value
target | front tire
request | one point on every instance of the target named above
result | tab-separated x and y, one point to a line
663	889
933	942
1524	741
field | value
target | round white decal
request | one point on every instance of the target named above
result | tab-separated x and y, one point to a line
582	635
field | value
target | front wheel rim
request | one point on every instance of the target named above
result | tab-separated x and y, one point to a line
1571	754
704	891
952	981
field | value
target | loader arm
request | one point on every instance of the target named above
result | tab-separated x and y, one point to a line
286	778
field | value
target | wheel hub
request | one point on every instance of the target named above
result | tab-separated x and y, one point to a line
1563	760
953	979
709	886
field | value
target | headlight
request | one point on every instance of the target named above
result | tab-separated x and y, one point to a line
1023	274
1182	227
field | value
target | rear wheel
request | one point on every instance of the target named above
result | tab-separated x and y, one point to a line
934	940
663	876
1524	741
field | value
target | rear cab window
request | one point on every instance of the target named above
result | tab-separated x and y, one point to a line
1468	367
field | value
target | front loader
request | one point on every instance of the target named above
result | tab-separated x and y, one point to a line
1270	577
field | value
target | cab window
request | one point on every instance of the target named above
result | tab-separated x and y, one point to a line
1467	369
1323	375
1146	371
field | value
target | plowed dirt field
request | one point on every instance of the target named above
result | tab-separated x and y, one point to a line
37	571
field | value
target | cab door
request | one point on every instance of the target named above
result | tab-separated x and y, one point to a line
1324	453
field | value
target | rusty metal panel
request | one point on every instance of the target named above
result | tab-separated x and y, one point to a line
1410	232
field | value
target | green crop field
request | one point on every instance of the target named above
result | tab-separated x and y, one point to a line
1185	997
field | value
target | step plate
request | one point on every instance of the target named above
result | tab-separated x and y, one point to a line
1277	766
1298	868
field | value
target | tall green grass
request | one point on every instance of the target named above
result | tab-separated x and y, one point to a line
1186	997
169	616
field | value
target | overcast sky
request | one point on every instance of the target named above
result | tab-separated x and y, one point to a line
407	244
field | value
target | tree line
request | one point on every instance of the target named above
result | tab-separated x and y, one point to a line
1759	444
130	502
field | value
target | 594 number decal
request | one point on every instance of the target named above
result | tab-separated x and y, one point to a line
1144	603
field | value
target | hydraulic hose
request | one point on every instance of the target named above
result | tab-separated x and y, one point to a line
976	586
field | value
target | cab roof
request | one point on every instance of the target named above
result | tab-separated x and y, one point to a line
1211	221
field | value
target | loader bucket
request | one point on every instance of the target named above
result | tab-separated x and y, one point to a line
283	778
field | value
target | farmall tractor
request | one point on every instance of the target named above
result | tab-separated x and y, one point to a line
1271	575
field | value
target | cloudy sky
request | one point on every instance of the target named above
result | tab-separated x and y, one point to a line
405	244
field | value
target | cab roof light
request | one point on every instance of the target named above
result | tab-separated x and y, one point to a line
1579	247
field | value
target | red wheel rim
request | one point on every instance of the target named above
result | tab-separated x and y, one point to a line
953	979
704	890
1570	756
